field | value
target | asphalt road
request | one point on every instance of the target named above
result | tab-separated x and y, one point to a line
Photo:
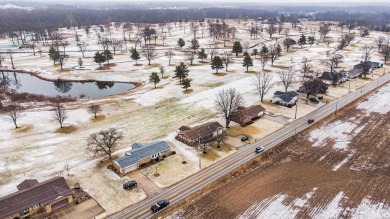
206	176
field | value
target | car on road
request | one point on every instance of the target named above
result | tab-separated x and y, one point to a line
159	205
244	138
310	121
129	184
259	149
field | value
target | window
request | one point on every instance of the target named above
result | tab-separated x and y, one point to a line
35	206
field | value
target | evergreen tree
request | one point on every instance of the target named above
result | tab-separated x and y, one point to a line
134	54
217	64
247	62
154	78
181	43
108	55
237	48
99	58
181	72
302	40
186	83
255	52
54	54
202	54
194	44
264	50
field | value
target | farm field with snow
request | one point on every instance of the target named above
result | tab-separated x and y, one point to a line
339	169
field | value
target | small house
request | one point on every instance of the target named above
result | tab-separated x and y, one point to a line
200	134
141	154
373	65
334	77
285	98
354	73
34	197
246	115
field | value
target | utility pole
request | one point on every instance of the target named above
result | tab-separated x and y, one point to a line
335	112
296	109
349	86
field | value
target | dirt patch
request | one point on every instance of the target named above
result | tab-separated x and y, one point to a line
250	71
188	91
98	118
153	65
24	129
107	66
66	129
220	74
137	64
280	66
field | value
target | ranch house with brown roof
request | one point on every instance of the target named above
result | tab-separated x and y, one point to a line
34	197
246	115
200	134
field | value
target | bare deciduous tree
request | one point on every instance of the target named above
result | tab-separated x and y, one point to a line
104	142
67	168
324	30
287	77
60	114
14	112
149	52
264	58
83	47
333	62
261	82
95	109
169	54
306	66
380	41
220	138
227	59
366	52
227	101
271	29
385	52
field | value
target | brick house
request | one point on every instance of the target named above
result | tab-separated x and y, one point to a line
140	154
200	134
246	115
34	197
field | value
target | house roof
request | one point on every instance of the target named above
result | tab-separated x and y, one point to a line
354	73
330	75
372	64
287	97
245	114
200	131
41	193
140	152
26	184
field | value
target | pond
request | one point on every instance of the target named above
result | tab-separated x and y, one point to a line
9	46
31	84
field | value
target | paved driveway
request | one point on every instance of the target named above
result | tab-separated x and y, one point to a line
144	183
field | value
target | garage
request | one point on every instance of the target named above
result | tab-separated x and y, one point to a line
59	204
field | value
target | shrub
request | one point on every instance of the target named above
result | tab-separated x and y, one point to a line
184	162
164	156
173	152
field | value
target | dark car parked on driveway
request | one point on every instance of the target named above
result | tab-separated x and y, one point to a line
129	184
310	121
314	100
244	138
159	205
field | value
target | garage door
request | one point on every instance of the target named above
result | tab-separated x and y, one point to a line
59	204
